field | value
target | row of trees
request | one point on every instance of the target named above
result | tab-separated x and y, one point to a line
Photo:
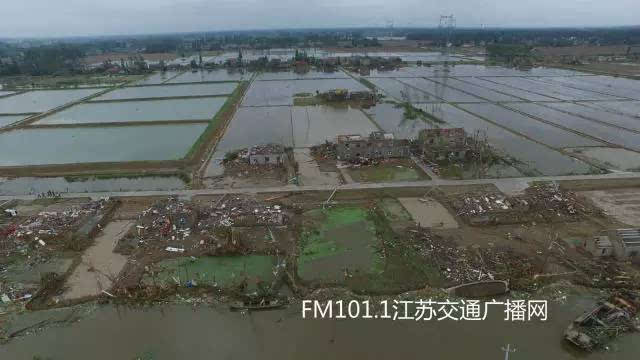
537	37
44	60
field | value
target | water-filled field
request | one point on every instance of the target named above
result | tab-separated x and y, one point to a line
156	110
95	144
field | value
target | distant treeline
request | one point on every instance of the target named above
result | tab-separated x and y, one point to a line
538	37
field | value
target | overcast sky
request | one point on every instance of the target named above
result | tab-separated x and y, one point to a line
25	18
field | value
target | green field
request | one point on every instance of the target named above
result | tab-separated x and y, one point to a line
223	271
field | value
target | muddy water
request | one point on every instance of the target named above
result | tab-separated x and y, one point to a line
31	185
182	332
156	110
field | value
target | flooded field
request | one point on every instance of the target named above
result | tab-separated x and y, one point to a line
210	75
36	185
440	90
478	91
401	91
390	118
158	78
533	158
10	119
145	92
593	113
610	158
281	92
313	125
548	89
258	126
86	145
597	130
525	95
41	100
587	83
292	75
544	133
155	110
628	108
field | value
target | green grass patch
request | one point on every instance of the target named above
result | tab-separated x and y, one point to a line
336	239
367	83
223	271
403	268
387	172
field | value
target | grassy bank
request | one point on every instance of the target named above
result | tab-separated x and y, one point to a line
225	113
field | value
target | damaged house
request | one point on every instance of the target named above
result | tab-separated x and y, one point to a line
443	144
273	154
620	243
378	145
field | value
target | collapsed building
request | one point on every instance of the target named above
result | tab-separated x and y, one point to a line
444	144
378	145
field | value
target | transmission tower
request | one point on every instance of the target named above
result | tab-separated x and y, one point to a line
447	27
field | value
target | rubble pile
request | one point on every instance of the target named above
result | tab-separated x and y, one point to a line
167	219
548	199
326	151
459	265
241	211
38	229
479	204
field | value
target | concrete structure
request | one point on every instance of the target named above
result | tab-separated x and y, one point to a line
272	154
378	145
442	144
621	243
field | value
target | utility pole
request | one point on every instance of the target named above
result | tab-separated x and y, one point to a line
508	351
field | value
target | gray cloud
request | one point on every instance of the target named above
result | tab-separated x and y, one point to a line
83	17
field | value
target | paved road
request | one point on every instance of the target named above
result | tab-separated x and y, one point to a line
510	186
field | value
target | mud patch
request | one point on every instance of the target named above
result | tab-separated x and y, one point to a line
100	265
429	213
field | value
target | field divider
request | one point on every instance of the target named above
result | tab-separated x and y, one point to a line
184	97
120	124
